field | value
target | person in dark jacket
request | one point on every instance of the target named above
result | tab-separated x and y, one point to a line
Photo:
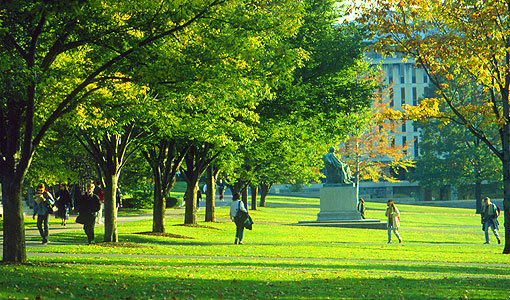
361	207
42	202
63	203
87	206
490	219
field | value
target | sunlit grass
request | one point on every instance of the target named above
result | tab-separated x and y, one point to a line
442	257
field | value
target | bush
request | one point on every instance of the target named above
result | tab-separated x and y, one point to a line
139	199
172	202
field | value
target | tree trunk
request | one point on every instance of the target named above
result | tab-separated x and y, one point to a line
427	195
210	196
190	214
244	196
506	203
14	248
158	208
253	189
478	196
264	191
110	212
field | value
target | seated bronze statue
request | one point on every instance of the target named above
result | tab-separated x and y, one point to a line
335	170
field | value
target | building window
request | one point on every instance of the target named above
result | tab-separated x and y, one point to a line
404	145
401	73
416	149
415	97
392	142
425	77
402	96
413	72
404	127
415	128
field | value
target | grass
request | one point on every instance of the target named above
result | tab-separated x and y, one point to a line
442	257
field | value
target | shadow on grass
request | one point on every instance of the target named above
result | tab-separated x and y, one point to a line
121	282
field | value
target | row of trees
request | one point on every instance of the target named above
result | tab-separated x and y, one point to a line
256	90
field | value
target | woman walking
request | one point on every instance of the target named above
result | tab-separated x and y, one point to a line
88	205
393	215
43	201
236	207
63	203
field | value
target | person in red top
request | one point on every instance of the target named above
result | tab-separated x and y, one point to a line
99	192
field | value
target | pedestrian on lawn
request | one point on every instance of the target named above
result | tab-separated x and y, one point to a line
393	215
43	201
490	219
63	203
235	207
361	207
87	206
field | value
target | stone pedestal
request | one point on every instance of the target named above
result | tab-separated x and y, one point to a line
338	203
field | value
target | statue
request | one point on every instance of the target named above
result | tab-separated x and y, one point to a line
335	170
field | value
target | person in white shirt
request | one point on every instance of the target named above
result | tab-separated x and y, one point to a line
236	206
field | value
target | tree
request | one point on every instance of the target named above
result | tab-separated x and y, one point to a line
316	106
372	150
53	56
457	41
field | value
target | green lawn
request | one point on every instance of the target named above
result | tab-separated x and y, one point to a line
442	257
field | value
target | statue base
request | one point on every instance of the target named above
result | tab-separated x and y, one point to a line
338	202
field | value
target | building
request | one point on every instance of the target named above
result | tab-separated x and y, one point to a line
407	83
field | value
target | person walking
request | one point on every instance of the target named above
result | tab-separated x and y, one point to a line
99	192
87	207
393	215
361	207
43	201
235	207
221	189
63	203
490	219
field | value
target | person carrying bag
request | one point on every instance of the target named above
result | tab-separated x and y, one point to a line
239	215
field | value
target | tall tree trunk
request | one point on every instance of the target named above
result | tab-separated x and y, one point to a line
158	208
253	189
264	191
165	159
210	195
14	248
244	196
478	196
190	213
506	202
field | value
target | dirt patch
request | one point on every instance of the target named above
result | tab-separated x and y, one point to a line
165	234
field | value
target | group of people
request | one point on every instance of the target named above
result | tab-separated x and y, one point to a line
89	207
489	215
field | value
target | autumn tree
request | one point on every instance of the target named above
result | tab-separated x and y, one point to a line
458	41
372	151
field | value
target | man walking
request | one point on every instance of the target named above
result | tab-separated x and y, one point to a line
490	219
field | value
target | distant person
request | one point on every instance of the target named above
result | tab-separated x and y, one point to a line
490	219
361	207
99	192
118	200
87	207
393	215
42	202
235	207
221	189
64	203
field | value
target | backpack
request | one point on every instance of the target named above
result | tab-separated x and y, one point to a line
498	210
